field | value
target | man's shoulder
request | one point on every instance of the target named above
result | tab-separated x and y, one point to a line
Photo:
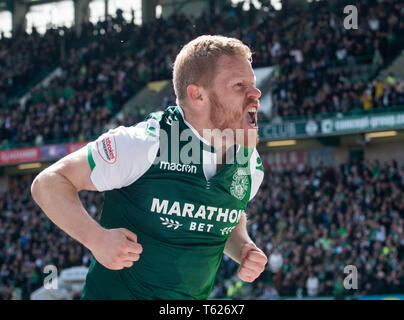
255	160
252	156
256	170
122	155
166	116
147	132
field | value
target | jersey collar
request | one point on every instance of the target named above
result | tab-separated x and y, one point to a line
195	132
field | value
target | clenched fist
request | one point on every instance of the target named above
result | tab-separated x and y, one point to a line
253	261
116	249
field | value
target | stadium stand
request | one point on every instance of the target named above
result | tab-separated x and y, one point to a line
31	241
318	219
309	50
310	220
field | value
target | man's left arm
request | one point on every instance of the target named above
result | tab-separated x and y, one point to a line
240	248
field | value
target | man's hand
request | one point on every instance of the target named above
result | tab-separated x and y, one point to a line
116	249
253	261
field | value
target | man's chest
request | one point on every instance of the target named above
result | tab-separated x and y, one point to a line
175	202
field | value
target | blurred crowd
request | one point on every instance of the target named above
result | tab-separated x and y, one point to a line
311	222
30	241
23	57
82	100
316	57
308	48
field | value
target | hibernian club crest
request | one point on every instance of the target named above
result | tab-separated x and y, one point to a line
239	185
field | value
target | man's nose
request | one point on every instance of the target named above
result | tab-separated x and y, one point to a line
254	93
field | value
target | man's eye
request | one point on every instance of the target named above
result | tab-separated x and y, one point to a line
240	84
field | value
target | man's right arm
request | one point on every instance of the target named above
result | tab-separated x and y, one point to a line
56	189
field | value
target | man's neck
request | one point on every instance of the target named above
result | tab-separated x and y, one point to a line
224	151
228	156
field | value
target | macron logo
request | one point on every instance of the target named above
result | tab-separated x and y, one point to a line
164	165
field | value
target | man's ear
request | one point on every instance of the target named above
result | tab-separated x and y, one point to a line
195	94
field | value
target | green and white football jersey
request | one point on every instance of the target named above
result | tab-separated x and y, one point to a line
182	213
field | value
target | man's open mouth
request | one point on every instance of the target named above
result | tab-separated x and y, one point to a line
252	117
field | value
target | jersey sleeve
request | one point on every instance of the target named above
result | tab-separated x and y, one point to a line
257	173
122	155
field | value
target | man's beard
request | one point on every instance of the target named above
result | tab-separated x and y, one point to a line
227	119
